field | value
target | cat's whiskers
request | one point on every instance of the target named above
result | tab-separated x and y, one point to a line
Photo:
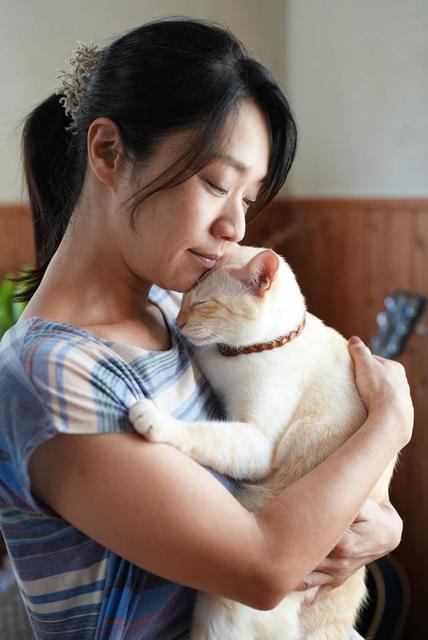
201	333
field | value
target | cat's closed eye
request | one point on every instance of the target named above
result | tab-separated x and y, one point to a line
198	302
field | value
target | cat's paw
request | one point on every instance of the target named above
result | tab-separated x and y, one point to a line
146	418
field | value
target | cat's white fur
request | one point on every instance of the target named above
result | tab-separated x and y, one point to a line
288	409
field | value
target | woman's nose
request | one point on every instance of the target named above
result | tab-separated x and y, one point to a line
230	225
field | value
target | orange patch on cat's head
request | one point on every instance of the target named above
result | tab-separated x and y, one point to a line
229	297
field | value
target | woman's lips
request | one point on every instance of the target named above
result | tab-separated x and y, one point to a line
206	261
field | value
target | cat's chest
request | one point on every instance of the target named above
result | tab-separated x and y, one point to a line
253	385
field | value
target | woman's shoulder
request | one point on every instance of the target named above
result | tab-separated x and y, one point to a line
36	344
74	382
38	331
87	383
33	334
78	374
30	331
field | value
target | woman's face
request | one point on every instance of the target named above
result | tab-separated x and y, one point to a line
183	231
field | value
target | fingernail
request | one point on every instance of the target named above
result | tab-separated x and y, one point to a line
354	340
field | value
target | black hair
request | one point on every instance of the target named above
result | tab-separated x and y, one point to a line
168	75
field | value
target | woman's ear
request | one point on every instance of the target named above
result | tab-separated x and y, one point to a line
105	152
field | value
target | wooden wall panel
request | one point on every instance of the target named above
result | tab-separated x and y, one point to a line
16	238
348	255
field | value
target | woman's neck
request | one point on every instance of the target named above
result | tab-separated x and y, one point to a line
89	287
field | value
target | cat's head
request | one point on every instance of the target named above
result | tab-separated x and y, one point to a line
252	296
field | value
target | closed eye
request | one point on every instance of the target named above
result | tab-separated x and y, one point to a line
196	304
224	192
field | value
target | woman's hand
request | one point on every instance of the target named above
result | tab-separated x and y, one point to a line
383	387
377	529
375	532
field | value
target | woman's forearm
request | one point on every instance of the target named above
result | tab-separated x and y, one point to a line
303	524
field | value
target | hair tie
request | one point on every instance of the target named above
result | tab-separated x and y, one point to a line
84	59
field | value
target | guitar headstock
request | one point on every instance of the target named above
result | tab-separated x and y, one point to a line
396	323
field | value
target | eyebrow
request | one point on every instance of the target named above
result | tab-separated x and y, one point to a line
235	163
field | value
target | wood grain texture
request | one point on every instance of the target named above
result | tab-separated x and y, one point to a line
348	255
16	238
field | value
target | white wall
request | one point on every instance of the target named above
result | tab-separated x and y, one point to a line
37	37
356	72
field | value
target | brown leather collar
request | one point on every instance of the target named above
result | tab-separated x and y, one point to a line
226	350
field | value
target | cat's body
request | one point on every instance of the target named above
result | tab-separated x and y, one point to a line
288	408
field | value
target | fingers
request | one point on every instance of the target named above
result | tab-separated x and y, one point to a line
393	527
314	579
383	387
319	593
322	591
380	359
367	512
358	348
334	573
360	352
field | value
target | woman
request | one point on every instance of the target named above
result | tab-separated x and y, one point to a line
142	174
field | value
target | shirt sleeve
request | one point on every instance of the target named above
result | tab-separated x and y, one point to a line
59	385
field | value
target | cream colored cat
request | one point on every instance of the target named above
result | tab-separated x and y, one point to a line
288	407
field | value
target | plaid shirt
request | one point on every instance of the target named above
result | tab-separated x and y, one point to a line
58	378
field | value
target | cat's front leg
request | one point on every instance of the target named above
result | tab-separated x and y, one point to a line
152	423
238	449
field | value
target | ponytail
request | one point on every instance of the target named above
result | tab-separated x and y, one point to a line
53	182
165	76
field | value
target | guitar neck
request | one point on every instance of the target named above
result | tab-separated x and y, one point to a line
396	323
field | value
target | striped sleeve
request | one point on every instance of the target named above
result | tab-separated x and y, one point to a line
61	384
84	386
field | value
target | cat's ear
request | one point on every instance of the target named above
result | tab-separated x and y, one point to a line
260	271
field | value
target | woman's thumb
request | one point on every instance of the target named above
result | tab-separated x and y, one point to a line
356	345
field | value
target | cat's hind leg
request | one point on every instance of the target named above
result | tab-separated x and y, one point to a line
330	633
333	616
218	618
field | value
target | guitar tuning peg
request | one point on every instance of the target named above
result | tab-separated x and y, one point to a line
393	345
409	311
381	319
402	328
397	321
375	343
390	303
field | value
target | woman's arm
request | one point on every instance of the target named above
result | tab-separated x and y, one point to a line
159	509
385	392
376	531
